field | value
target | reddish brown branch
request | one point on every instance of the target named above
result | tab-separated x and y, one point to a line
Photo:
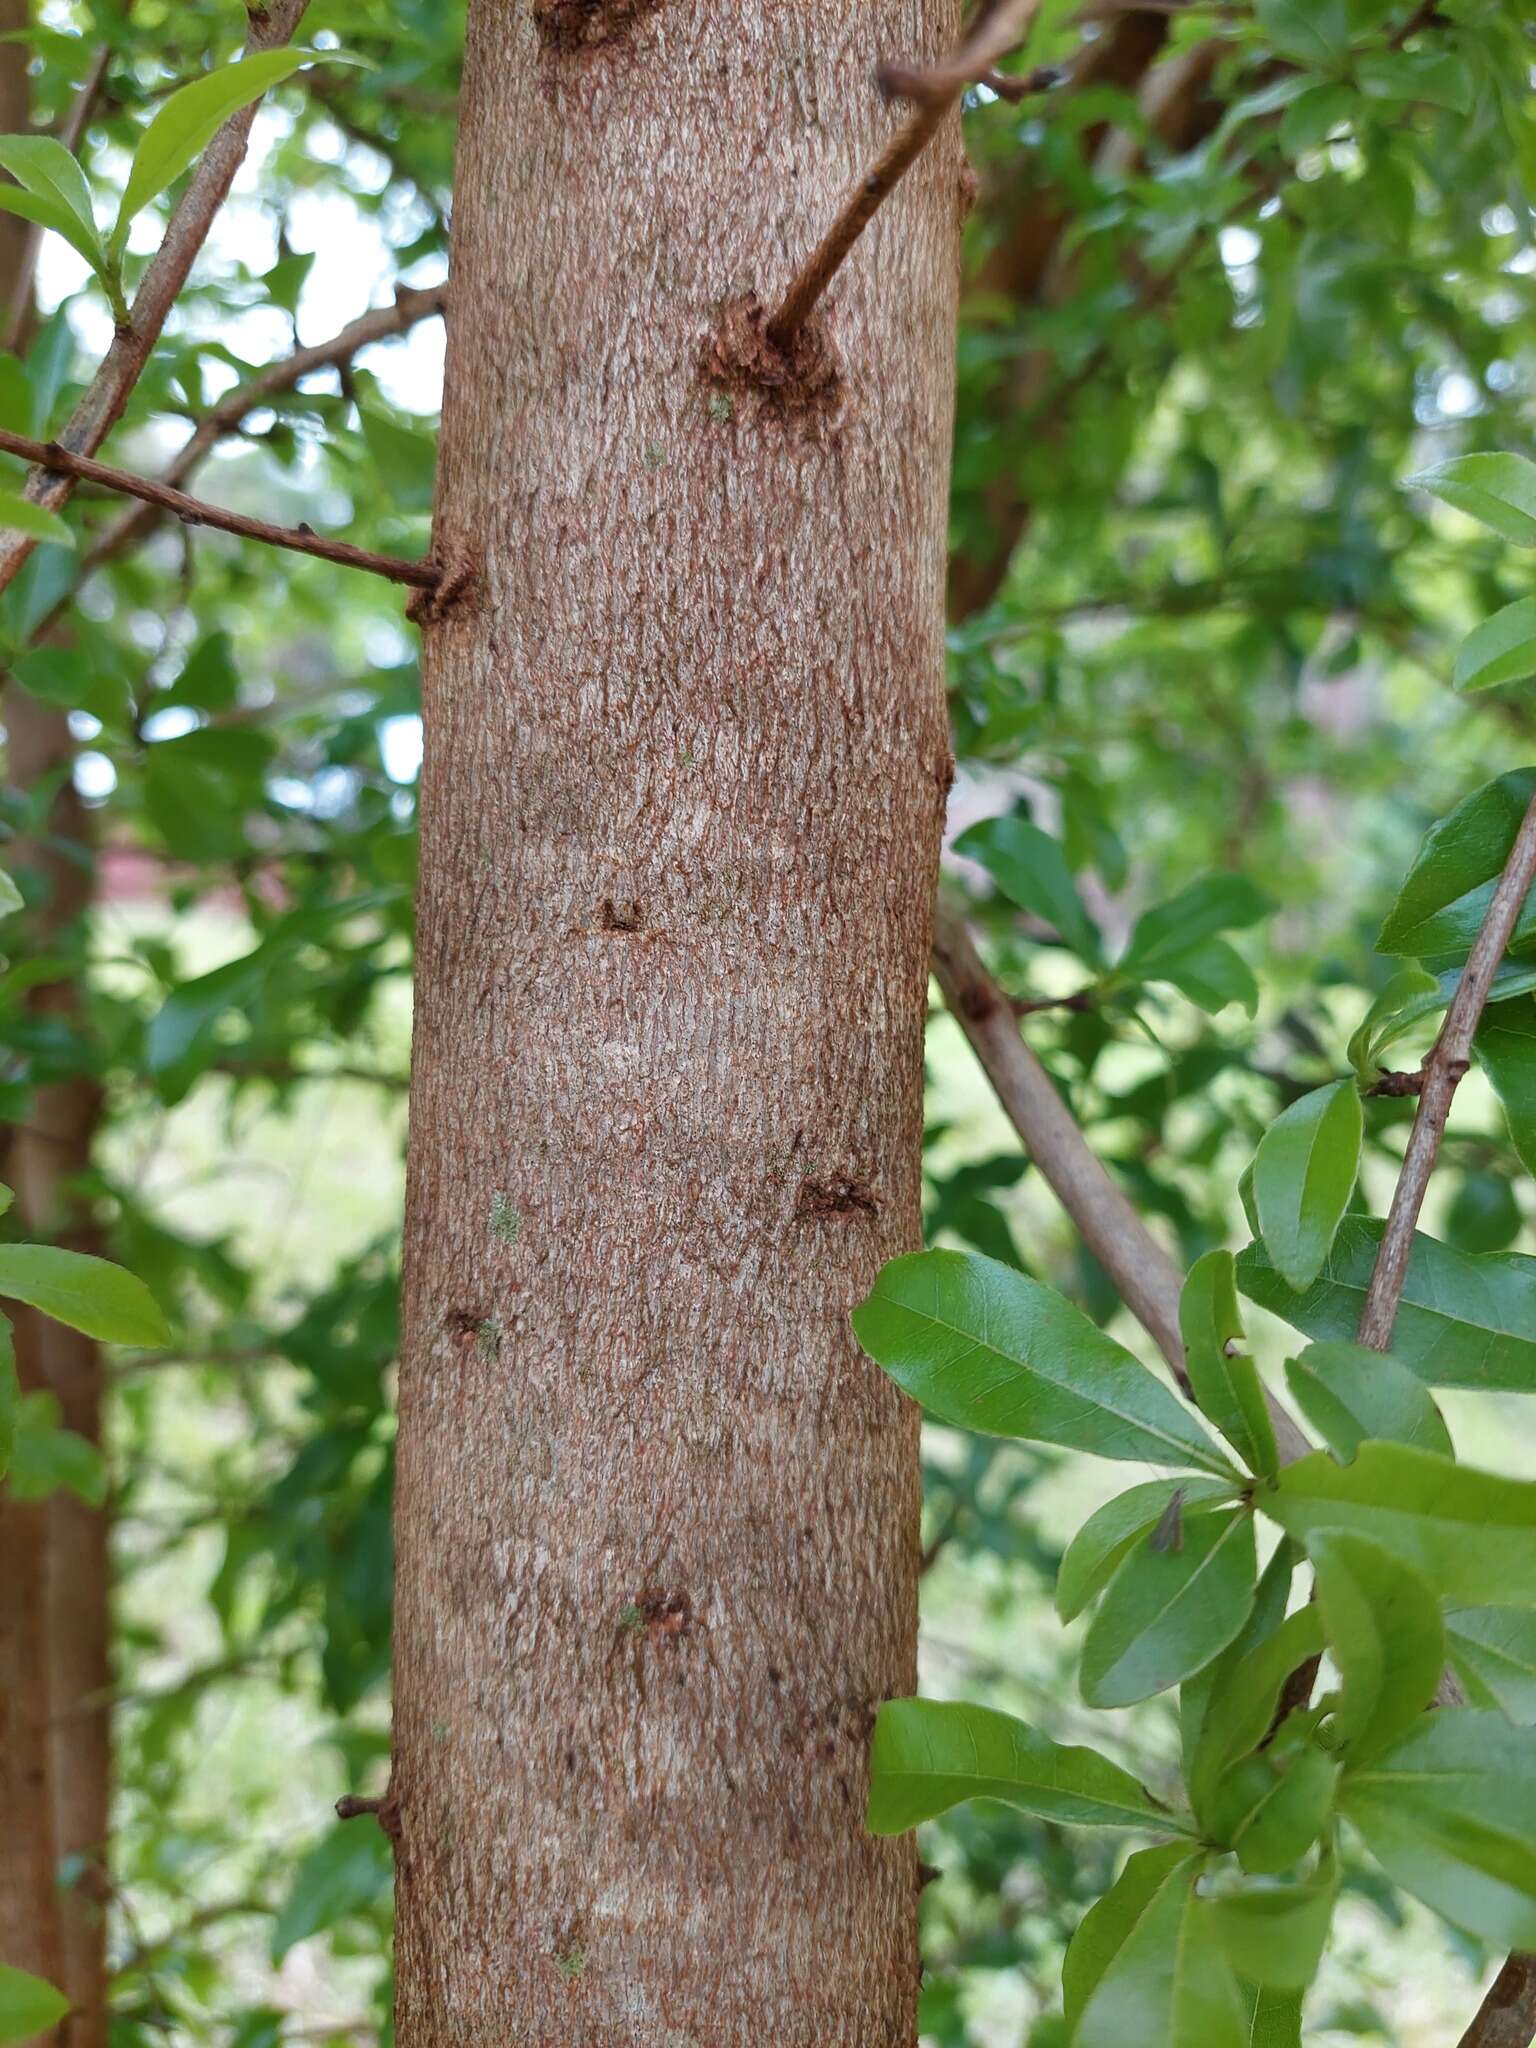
52	459
1448	1060
1507	2016
935	91
102	405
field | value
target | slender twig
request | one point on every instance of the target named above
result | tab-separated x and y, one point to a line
1144	1276
102	404
1507	2016
1448	1061
935	91
52	458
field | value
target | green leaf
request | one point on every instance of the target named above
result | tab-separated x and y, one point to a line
20	515
982	1346
1349	1394
1272	2016
1303	1176
930	1755
45	167
1505	1044
1312	32
1168	1983
1212	976
46	1458
190	118
1274	1934
1471	1534
28	2006
1501	650
1226	1387
48	212
347	1872
1271	1808
1495	1647
1499	490
1442	903
1400	1004
1169	1610
1466	1319
1199	1697
1432	78
89	1294
1031	870
1242	1709
1177	930
1450	1815
11	899
1109	1923
1109	1532
1385	1635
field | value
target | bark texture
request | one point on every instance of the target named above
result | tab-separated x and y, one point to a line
657	1519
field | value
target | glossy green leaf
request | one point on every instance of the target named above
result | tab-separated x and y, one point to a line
347	1872
1303	1176
28	2006
1385	1635
1444	899
1168	1983
1471	1534
1450	1814
1271	1808
1311	32
1495	1647
1505	1045
1204	1696
1242	1709
1349	1394
1399	1004
1168	1611
930	1755
1108	1533
1501	650
1466	1319
982	1346
1226	1385
1499	490
45	210
1175	930
45	167
1431	78
1031	869
1274	1934
20	515
89	1294
1213	975
1272	2016
1109	1923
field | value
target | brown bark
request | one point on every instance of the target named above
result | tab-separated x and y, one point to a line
686	761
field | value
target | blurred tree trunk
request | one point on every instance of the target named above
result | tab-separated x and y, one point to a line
687	755
55	1766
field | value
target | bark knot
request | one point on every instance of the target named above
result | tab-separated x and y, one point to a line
800	385
838	1197
587	24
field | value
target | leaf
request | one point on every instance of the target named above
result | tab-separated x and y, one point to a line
1271	1808
48	212
45	167
1226	1387
1242	1709
1501	650
1450	1815
1109	1923
190	118
89	1294
1385	1635
46	1458
1471	1534
348	1871
1399	1004
930	1755
28	2006
1203	1697
1212	976
1499	490
1168	1983
1313	32
1176	930
1496	1647
20	515
982	1346
11	898
1505	1045
1433	78
1303	1176
1442	903
1349	1394
1166	1613
1031	870
1273	2016
1275	1934
1096	1549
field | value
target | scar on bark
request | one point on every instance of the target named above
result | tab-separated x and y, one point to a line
838	1197
800	385
386	1811
620	917
660	1617
587	24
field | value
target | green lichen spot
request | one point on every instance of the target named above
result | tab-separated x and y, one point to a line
631	1619
721	407
488	1337
571	1963
655	455
506	1221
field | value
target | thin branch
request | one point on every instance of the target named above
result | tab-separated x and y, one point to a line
935	91
1144	1276
102	405
1442	1072
52	459
1507	2016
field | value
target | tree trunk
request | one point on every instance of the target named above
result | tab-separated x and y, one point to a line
686	763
